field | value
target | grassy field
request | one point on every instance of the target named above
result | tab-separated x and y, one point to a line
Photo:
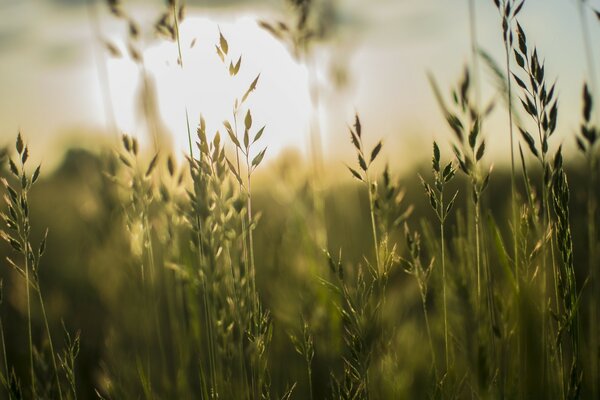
130	273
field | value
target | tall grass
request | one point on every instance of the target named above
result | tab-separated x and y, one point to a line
19	224
442	209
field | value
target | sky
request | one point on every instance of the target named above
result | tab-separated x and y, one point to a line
52	87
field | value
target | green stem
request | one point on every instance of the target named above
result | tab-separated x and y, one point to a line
373	225
28	295
310	382
250	234
256	311
477	253
513	198
245	236
4	356
153	286
513	184
39	291
444	283
207	309
244	230
428	328
592	265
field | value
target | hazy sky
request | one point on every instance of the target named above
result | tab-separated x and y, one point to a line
49	70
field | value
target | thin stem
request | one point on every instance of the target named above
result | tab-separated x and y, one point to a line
475	73
513	184
256	311
544	279
513	201
207	313
477	255
4	356
28	295
250	234
592	265
237	159
50	344
245	236
152	265
310	382
429	336
544	230
211	341
444	283
374	226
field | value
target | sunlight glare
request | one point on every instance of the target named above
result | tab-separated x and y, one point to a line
205	87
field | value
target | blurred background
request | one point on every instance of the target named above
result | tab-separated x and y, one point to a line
60	84
74	78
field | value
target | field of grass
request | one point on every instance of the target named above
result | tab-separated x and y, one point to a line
131	273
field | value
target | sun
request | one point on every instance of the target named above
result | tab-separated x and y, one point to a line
204	86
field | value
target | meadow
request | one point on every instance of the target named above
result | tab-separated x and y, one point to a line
133	272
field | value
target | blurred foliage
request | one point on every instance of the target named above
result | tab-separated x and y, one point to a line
89	276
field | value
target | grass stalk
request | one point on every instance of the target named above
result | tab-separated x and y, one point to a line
249	168
441	208
3	342
152	287
429	335
444	287
29	334
421	275
373	223
507	29
592	265
50	342
513	183
476	104
207	307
